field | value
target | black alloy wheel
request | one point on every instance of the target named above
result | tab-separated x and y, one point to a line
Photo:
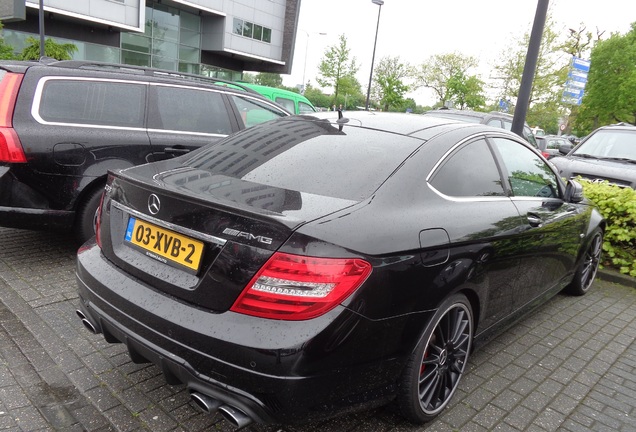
586	272
437	364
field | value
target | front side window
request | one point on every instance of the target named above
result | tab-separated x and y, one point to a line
528	175
469	172
189	110
93	102
254	111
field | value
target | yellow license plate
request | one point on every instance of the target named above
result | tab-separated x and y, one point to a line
164	245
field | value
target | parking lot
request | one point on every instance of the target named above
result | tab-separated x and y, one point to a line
571	366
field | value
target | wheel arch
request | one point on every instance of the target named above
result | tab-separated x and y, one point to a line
88	190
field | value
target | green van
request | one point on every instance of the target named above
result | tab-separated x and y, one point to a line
291	101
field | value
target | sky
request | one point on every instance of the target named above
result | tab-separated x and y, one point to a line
415	30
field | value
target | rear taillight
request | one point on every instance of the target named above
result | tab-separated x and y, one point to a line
545	154
98	221
10	146
293	287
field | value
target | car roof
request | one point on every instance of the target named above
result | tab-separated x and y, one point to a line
619	126
400	123
133	70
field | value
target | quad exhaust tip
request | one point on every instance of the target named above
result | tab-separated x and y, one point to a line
89	325
205	403
234	416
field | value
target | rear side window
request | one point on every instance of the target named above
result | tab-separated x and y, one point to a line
92	102
189	110
469	172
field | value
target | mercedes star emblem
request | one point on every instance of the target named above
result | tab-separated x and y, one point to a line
154	204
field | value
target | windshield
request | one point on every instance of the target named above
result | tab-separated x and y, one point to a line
610	144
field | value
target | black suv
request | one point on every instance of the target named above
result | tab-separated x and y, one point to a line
493	118
64	124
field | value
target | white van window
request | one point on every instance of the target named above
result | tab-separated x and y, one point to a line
288	104
305	108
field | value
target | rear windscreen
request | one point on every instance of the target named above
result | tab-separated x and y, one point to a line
309	156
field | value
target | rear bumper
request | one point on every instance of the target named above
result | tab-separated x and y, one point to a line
22	207
34	219
274	371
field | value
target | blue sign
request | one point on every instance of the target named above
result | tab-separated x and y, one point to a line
573	92
577	79
577	76
580	64
575	84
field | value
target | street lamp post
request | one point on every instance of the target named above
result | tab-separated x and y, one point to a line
306	52
379	3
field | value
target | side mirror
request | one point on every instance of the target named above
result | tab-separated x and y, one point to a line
565	148
573	192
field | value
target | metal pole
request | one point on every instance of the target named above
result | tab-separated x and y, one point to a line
41	16
366	107
305	67
521	109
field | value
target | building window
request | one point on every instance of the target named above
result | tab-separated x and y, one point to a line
238	26
258	32
267	35
251	30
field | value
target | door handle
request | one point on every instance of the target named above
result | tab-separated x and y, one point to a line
534	220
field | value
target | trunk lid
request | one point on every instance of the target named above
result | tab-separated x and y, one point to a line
199	236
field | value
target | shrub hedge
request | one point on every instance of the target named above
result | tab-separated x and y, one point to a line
618	207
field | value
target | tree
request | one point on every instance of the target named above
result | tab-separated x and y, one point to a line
336	66
248	78
51	49
439	69
467	92
549	79
389	88
610	92
268	79
350	93
6	51
317	97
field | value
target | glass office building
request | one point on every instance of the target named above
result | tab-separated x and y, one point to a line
219	38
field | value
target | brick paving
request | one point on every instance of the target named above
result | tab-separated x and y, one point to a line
570	366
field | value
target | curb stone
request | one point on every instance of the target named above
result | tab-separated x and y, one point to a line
611	275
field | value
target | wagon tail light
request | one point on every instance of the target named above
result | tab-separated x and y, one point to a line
10	146
545	154
294	288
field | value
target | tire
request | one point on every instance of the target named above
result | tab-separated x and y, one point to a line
585	274
437	364
86	216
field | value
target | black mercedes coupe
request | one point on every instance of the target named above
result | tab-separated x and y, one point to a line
313	265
